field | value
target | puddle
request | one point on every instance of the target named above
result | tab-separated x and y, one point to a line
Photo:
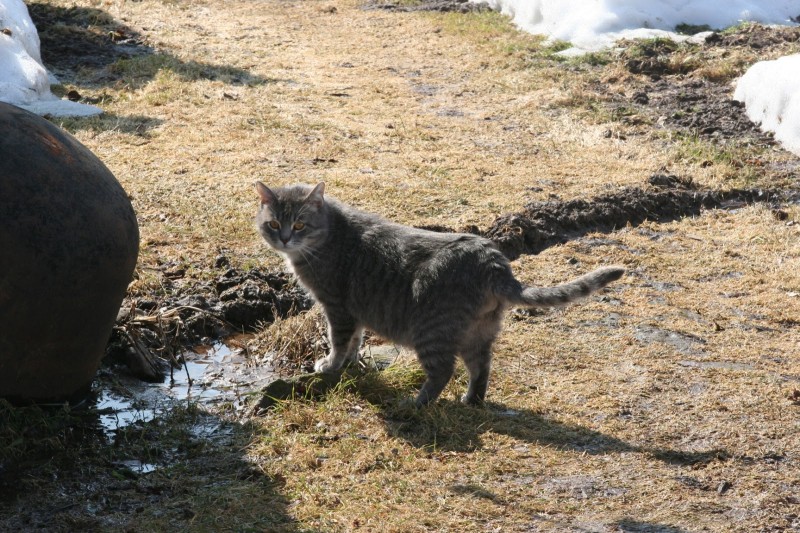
116	411
213	375
138	467
219	375
380	356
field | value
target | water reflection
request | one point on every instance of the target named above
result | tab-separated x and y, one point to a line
219	374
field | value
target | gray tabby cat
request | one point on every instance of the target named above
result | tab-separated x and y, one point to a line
442	294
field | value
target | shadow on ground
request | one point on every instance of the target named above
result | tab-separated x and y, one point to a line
137	125
88	48
450	426
635	526
82	43
67	471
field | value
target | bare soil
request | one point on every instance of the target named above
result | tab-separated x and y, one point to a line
668	403
701	104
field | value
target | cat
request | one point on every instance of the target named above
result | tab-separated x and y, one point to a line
442	294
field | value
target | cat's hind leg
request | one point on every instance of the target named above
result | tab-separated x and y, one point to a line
478	360
476	350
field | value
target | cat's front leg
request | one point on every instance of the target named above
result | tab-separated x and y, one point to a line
354	345
345	339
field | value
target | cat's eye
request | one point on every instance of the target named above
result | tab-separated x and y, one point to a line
298	226
274	224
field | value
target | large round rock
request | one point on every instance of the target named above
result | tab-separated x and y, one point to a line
68	246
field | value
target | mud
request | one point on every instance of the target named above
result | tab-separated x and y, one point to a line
673	91
150	335
704	108
756	36
89	483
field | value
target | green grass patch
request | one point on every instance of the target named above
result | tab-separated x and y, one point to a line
691	29
733	161
34	431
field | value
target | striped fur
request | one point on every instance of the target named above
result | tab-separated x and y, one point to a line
442	294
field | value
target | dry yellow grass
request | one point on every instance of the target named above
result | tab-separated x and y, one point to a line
664	405
395	113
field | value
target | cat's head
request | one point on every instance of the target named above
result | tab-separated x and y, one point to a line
292	219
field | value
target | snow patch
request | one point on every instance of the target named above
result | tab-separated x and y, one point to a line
770	91
24	81
592	25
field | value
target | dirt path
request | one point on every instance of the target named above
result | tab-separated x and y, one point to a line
668	404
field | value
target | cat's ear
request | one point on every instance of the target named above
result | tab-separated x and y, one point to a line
315	198
267	196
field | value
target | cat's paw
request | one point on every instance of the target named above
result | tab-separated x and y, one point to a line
473	400
325	365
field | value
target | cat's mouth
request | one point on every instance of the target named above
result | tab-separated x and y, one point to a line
286	247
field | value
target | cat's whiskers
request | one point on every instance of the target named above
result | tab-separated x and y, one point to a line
306	252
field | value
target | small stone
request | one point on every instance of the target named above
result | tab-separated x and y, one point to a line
641	98
723	487
794	396
780	214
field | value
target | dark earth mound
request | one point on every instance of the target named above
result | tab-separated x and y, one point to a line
543	224
756	36
665	197
457	6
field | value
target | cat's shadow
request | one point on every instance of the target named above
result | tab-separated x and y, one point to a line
451	426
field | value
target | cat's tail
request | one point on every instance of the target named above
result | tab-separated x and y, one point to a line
567	292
